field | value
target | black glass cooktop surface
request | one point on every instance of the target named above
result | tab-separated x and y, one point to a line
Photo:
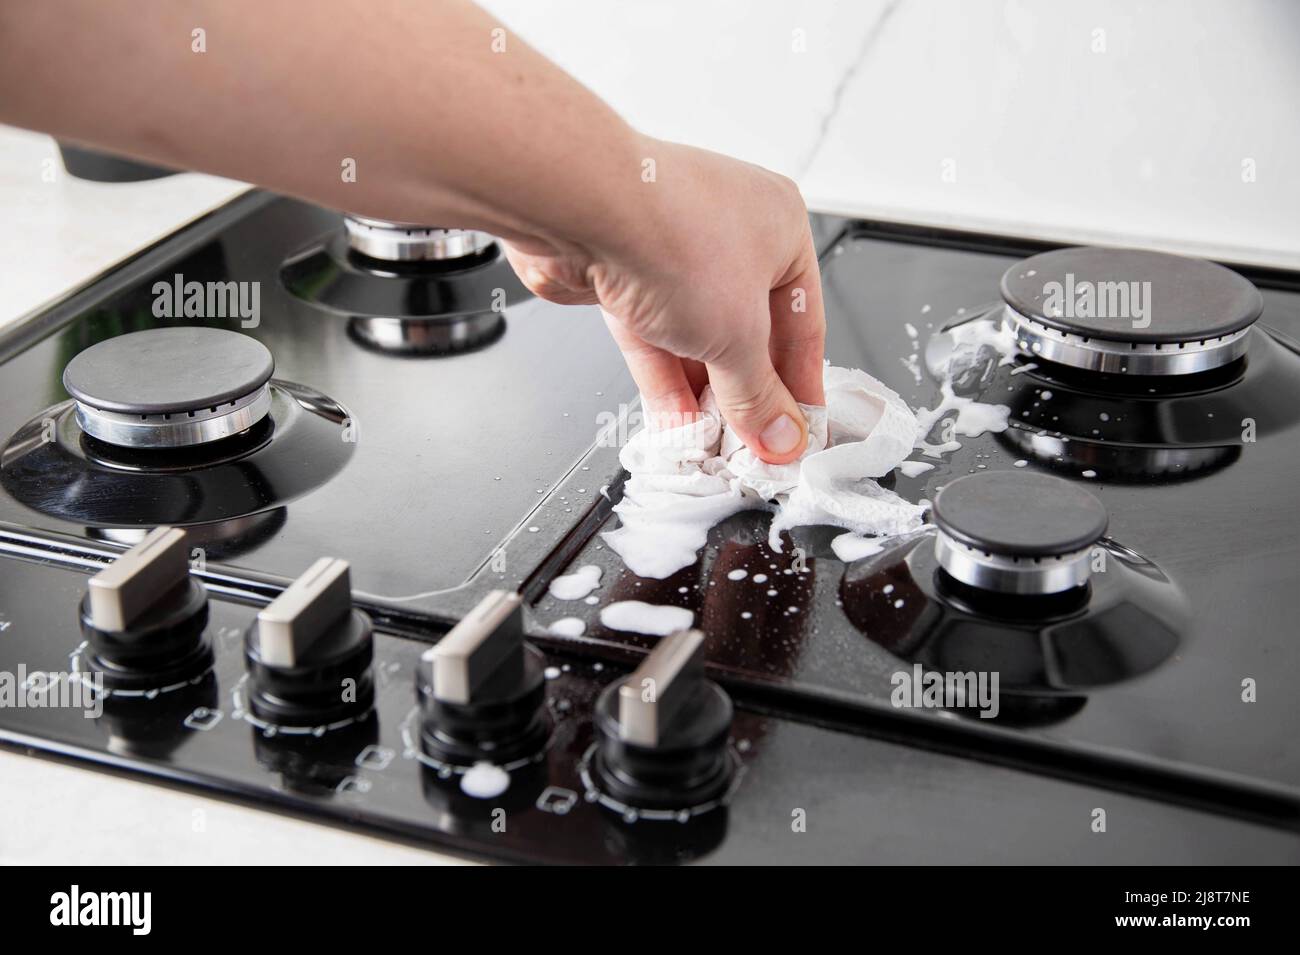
423	463
1182	659
479	455
807	792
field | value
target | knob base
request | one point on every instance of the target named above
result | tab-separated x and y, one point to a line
506	723
332	683
164	646
690	766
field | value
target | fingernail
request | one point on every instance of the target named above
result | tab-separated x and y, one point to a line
781	435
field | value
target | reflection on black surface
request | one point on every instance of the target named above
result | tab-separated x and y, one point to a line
219	540
154	728
1125	622
428	307
316	765
666	843
1130	428
445	464
748	624
423	338
458	813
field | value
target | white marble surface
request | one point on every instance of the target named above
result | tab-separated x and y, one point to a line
1144	143
54	814
1140	143
56	232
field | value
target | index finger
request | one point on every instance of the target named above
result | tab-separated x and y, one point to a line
798	340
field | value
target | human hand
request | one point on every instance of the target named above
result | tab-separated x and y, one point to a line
713	279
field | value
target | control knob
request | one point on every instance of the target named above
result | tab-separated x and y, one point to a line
662	732
144	616
482	688
309	652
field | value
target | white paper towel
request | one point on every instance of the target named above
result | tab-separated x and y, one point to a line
687	478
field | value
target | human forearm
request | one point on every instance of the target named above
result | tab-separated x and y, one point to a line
706	268
284	102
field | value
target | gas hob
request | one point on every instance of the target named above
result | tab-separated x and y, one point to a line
1122	555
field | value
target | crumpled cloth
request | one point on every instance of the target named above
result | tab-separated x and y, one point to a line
685	479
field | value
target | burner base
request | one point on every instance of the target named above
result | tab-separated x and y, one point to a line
51	465
427	307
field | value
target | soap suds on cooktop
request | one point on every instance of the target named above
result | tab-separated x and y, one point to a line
484	781
850	547
568	627
576	585
955	355
636	616
686	479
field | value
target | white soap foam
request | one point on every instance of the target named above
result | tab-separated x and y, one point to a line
484	781
850	547
913	364
914	468
576	585
568	627
636	616
950	353
973	419
959	353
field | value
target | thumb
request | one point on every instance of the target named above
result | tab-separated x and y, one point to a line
758	406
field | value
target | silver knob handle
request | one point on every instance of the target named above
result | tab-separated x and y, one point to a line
655	693
124	590
490	637
307	609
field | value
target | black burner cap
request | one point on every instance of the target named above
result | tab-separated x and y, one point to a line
1190	299
1019	514
167	370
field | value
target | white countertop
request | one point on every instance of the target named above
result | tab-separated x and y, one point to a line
994	115
51	813
59	232
987	115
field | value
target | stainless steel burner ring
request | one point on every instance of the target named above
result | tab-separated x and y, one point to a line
1008	574
178	429
1117	357
404	242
